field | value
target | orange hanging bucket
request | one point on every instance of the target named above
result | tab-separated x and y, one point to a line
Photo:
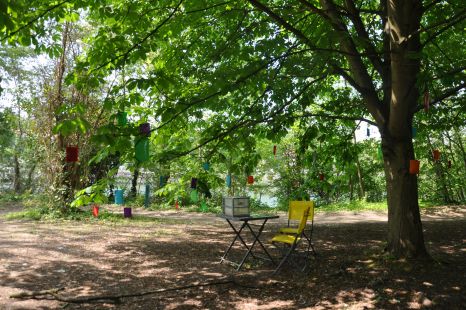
436	154
414	166
250	179
95	210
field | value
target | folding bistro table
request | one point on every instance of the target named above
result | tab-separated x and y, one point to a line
262	219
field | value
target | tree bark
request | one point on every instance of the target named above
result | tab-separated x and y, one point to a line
17	175
405	236
134	182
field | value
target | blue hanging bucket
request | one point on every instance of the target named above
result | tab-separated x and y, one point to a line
229	180
119	197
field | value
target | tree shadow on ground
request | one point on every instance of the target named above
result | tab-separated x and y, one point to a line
350	270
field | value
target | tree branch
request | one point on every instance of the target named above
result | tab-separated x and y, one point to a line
445	95
336	117
34	20
125	55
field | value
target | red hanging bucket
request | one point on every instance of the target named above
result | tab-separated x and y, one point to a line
436	154
95	210
414	166
250	179
72	154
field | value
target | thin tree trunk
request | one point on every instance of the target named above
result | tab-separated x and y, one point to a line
361	192
134	182
17	175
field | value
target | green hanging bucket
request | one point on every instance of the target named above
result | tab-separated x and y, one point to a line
122	118
194	196
142	149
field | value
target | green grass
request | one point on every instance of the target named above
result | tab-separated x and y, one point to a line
357	205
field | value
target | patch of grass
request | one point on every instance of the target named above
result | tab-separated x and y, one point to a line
29	214
357	205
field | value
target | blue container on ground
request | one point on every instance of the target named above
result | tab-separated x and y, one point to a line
119	196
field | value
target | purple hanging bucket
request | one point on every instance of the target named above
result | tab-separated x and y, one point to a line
144	129
127	212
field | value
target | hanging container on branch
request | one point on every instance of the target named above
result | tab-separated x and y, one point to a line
177	206
144	129
368	132
127	212
321	176
194	196
119	196
436	155
163	180
228	180
274	150
95	210
72	154
206	166
193	182
142	149
414	166
122	118
250	179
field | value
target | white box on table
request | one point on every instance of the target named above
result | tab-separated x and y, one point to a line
235	206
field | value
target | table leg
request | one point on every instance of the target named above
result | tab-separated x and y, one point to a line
238	236
256	238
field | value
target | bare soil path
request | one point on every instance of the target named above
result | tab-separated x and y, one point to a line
176	248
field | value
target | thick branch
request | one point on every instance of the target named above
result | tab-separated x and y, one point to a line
336	117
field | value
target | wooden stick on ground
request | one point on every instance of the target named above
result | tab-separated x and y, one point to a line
113	298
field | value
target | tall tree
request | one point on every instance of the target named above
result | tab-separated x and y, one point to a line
255	66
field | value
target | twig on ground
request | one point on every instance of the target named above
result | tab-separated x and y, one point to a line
115	298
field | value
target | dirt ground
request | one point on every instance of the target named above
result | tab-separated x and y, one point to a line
174	249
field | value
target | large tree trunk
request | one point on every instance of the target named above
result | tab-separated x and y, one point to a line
17	175
405	237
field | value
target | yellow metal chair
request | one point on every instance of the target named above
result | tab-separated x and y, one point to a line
295	212
288	243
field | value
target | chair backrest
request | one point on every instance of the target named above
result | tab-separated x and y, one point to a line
296	209
303	220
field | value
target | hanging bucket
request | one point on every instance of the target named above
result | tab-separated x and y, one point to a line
122	118
206	166
162	180
194	196
95	210
321	176
379	152
203	207
72	154
193	182
436	154
368	132
142	149
274	150
119	197
127	212
414	132
414	166
144	129
228	180
177	206
250	179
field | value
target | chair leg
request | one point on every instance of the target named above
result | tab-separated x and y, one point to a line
284	259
